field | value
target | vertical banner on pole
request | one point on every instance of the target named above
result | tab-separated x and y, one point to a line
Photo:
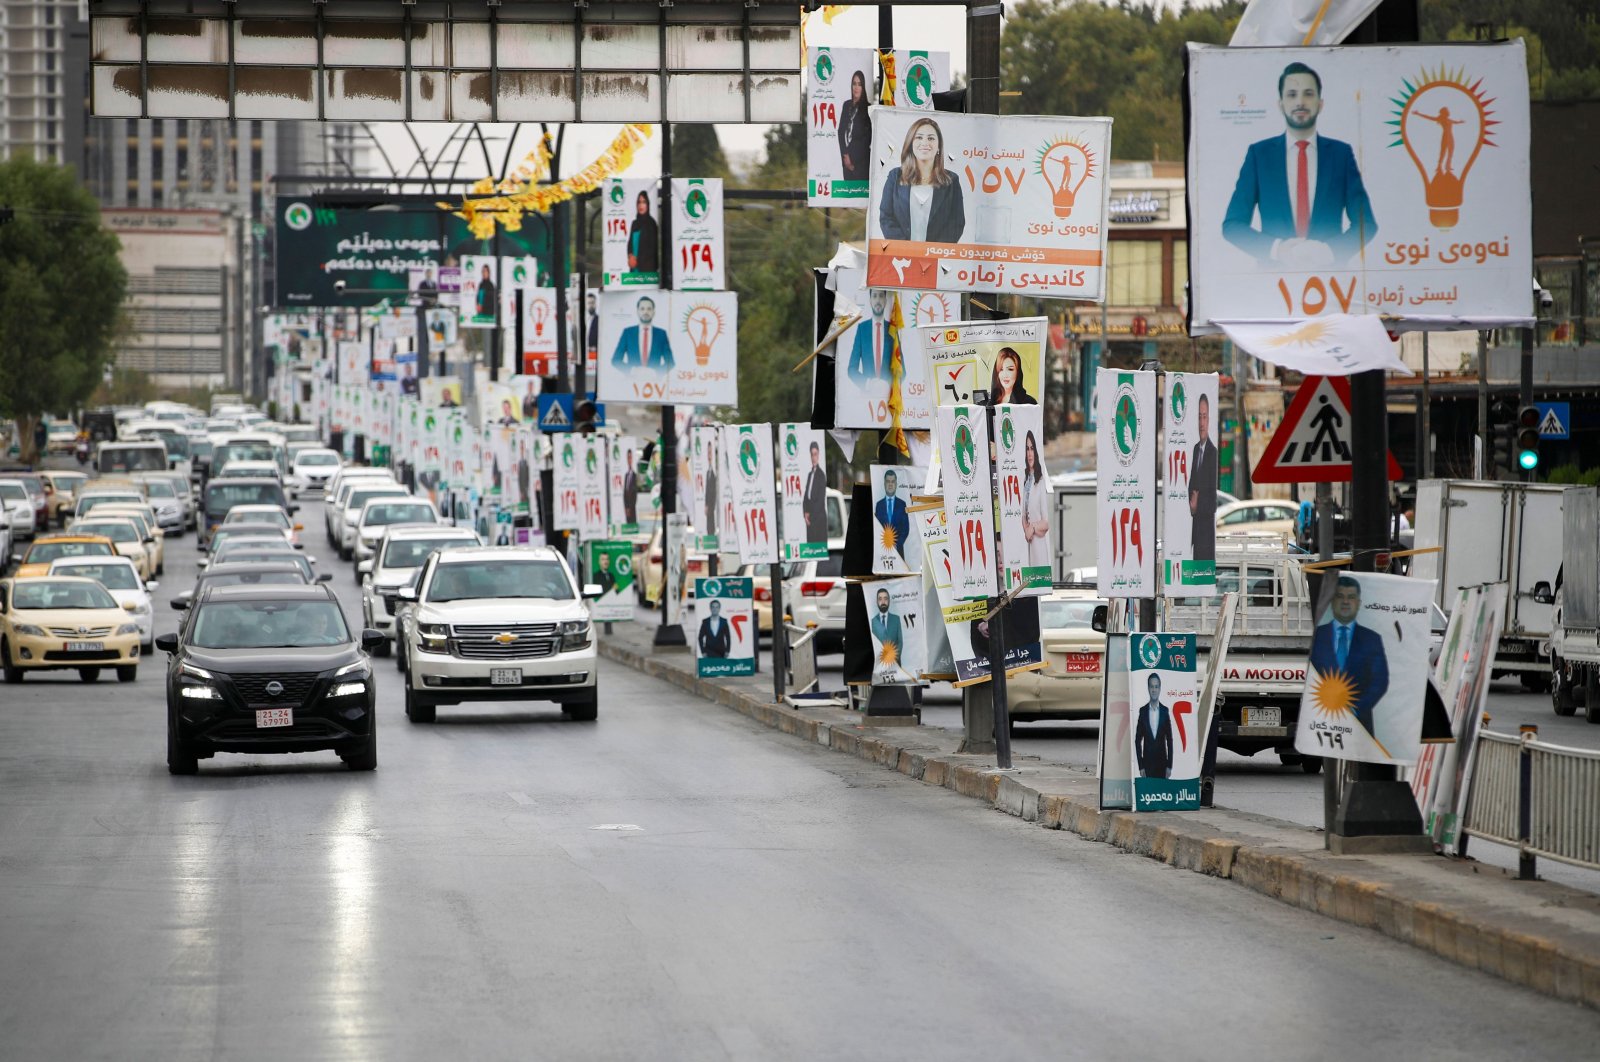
592	487
676	540
725	643
969	506
1125	490
1116	777
697	243
894	549
705	469
567	485
631	250
750	492
1166	738
838	127
611	569
1189	501
802	465
1024	498
623	479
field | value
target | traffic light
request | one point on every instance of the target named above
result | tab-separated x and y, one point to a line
1528	438
1503	438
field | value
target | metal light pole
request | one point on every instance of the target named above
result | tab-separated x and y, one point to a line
667	634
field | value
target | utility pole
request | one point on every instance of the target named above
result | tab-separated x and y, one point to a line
667	634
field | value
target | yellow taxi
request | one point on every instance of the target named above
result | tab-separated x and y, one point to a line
59	623
154	538
35	560
126	536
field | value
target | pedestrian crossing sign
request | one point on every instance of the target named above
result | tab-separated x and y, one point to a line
555	412
1555	420
1312	444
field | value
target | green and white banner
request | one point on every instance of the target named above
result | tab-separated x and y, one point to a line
1125	485
1164	692
611	567
1024	506
750	492
725	643
803	466
1189	498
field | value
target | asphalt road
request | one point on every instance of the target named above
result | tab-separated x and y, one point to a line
474	898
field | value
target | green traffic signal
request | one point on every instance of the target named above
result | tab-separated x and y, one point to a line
1528	438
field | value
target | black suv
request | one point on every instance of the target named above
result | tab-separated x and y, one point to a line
269	669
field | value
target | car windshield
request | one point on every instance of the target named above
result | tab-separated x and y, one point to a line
139	521
268	625
111	576
88	504
274	517
160	488
478	580
224	496
243	451
250	579
410	552
377	515
12	492
132	459
226	534
50	593
117	532
1056	614
319	460
358	498
43	552
243	553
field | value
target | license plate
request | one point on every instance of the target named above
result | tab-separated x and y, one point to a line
1261	716
85	647
505	676
266	717
1080	663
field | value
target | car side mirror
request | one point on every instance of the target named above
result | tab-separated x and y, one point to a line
150	541
299	527
1098	620
364	568
128	606
16	558
180	603
167	643
592	590
201	562
1542	593
406	593
325	577
373	640
152	585
293	509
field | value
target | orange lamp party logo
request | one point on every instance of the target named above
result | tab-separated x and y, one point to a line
703	324
1443	121
1065	163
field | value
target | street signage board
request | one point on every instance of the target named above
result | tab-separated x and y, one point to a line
1555	420
1312	444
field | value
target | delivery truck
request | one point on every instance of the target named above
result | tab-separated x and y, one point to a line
1574	597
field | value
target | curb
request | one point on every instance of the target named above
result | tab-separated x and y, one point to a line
1323	883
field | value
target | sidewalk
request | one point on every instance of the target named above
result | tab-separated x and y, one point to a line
1539	934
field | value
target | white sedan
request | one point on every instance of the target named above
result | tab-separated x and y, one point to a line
1257	515
1074	662
121	579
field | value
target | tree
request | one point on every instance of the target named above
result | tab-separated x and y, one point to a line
697	152
61	289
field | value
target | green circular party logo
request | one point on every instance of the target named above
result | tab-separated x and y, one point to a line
713	588
824	67
616	192
791	444
1179	402
919	82
695	204
1150	650
297	216
624	565
566	456
749	458
965	451
589	462
1008	434
1125	423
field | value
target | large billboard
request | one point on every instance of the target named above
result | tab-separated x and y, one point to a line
1385	180
373	247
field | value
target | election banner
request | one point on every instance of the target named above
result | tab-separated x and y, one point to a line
501	405
676	538
538	354
750	490
673	348
1125	482
610	568
1164	693
567	484
895	550
591	487
1116	722
928	519
631	249
698	251
441	392
624	481
894	611
725	643
479	298
1024	506
971	202
917	76
839	125
1368	671
1385	180
963	433
1189	486
1004	358
441	328
705	473
864	365
803	472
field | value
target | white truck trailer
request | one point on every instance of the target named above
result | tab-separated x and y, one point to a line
1574	595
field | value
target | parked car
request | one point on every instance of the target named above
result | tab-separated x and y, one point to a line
121	579
815	592
1070	685
397	557
1257	515
62	623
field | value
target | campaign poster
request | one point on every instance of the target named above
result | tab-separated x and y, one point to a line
1164	693
1189	488
1363	180
1125	483
917	76
873	370
750	489
424	285
968	500
920	309
697	244
441	328
705	473
502	405
929	521
441	392
567	483
355	362
479	299
1004	359
1024	500
538	355
1368	671
623	479
591	487
976	202
839	97
610	568
1116	722
725	639
894	618
676	538
803	471
675	348
631	250
383	368
895	550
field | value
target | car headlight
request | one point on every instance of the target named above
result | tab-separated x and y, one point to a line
574	635
348	689
435	637
200	693
360	669
128	628
30	630
195	672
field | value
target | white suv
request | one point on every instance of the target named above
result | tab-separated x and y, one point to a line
498	623
399	554
379	514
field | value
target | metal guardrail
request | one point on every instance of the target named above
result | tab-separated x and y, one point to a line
1541	799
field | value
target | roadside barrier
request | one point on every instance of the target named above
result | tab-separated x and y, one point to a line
1541	799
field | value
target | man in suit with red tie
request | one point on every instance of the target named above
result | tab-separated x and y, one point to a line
1307	189
646	345
872	351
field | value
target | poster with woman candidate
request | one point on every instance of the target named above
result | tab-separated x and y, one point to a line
1386	180
725	638
803	473
747	452
1164	695
1024	507
479	299
1189	486
963	433
1005	359
972	202
895	549
872	369
631	249
839	96
677	348
894	618
1368	671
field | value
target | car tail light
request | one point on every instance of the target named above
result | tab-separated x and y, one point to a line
655	558
817	588
763	594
